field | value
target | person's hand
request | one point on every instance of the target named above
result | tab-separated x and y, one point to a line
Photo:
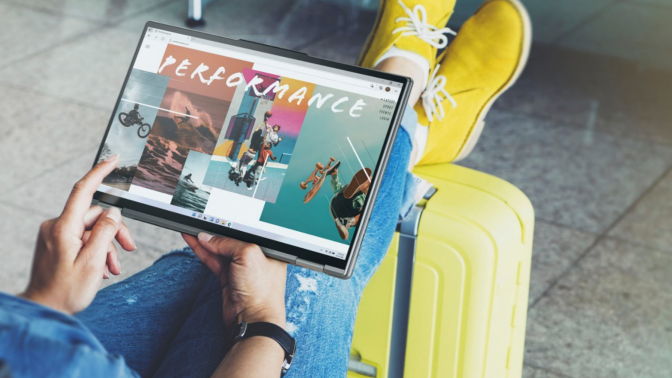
334	172
253	285
75	251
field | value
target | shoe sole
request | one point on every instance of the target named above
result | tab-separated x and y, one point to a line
477	130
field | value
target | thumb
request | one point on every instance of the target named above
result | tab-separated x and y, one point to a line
223	246
102	234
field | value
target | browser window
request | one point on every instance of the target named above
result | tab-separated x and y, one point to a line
248	140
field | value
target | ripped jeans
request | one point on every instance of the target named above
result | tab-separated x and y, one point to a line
166	321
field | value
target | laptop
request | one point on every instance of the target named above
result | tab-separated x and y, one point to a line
253	142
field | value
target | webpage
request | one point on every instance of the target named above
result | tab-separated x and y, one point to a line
248	140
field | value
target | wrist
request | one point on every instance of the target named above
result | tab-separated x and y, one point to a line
266	315
43	300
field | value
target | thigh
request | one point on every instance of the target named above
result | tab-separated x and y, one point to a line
201	343
139	317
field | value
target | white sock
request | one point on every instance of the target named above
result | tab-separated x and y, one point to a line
421	135
415	58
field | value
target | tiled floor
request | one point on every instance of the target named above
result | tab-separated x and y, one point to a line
587	138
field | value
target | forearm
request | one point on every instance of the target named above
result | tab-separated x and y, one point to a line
253	357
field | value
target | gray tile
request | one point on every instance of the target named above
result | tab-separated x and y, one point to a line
645	39
26	31
555	249
663	3
539	94
105	11
595	92
47	193
573	178
344	46
18	231
89	70
609	317
284	23
39	132
550	20
649	221
531	372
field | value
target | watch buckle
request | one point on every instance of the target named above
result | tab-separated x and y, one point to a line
287	363
243	330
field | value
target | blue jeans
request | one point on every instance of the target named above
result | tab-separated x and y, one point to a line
167	320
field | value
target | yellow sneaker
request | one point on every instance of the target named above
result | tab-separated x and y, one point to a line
411	25
482	62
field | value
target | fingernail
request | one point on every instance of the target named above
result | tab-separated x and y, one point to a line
204	237
113	157
114	214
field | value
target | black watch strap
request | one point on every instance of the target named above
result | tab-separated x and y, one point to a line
246	330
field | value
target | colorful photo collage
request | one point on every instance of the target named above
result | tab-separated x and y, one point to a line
185	132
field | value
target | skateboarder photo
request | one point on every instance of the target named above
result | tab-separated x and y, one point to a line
347	204
348	201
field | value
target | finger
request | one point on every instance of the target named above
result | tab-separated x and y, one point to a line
125	239
92	216
95	250
80	198
113	265
223	246
212	261
123	236
86	236
106	273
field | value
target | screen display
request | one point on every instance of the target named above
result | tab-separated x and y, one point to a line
259	143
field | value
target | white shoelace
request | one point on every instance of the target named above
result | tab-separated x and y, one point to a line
431	97
416	24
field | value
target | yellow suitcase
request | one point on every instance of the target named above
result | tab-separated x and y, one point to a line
450	298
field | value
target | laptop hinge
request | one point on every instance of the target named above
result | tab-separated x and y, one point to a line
279	255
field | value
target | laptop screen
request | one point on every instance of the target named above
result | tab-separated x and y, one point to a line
264	144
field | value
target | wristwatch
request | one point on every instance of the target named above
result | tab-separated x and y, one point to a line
246	330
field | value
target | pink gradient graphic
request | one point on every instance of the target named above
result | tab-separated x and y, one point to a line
289	118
